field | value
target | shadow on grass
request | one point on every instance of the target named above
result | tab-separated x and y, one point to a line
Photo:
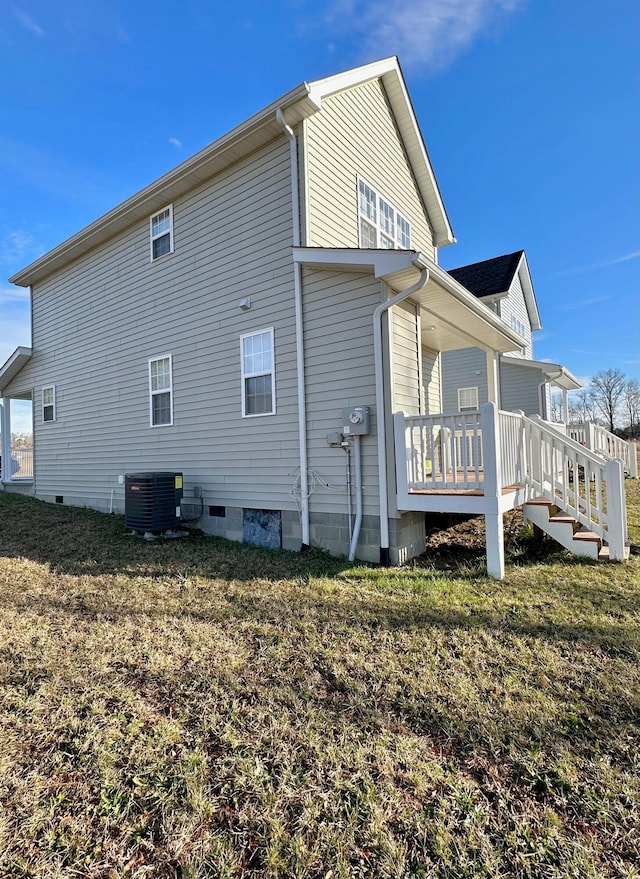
213	580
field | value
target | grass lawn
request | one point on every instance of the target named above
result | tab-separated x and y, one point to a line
197	708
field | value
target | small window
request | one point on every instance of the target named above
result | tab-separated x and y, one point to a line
467	399
162	233
258	379
380	225
49	403
161	391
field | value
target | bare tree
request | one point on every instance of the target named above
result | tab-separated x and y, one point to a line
557	413
631	406
607	388
582	407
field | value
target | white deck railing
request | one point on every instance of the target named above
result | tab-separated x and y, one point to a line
600	440
579	481
490	451
19	464
443	452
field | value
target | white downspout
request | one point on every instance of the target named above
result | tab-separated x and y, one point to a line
302	406
380	413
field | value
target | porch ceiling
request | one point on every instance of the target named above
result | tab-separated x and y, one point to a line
10	369
452	317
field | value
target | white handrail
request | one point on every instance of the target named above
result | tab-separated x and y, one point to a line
493	450
600	440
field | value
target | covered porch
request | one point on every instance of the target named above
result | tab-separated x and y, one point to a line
16	426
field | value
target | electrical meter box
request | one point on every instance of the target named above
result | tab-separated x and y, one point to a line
356	421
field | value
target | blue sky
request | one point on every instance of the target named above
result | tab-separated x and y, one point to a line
529	109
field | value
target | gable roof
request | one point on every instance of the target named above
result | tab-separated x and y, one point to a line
494	277
296	105
489	277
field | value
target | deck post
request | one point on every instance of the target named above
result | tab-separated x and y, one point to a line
633	459
399	431
494	524
616	508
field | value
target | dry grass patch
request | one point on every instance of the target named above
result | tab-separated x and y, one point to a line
199	708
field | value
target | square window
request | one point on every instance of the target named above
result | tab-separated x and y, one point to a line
467	399
380	224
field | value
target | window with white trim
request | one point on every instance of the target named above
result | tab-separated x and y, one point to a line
258	373
160	391
49	403
518	326
380	225
161	226
467	399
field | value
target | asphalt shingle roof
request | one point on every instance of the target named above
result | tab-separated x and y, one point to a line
489	276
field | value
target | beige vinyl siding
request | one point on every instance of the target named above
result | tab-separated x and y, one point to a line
405	359
355	134
339	372
431	382
514	304
96	324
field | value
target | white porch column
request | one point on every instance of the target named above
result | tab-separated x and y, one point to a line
493	378
5	446
492	490
565	406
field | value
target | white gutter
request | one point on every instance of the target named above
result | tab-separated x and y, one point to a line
380	410
297	281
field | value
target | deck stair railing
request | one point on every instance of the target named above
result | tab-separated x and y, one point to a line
453	452
579	481
600	440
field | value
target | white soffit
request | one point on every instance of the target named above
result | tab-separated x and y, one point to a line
12	366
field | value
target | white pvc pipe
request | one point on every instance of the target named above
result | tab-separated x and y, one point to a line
297	281
380	412
357	462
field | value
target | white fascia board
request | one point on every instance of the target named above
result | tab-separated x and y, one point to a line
529	295
12	366
553	372
331	85
383	263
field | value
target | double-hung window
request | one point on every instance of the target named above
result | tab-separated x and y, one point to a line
258	373
49	403
161	226
160	391
380	225
467	399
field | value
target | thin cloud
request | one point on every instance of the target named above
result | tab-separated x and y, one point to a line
18	247
601	265
584	303
12	295
424	33
27	22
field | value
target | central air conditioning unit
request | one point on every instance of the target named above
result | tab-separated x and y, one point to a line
152	501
